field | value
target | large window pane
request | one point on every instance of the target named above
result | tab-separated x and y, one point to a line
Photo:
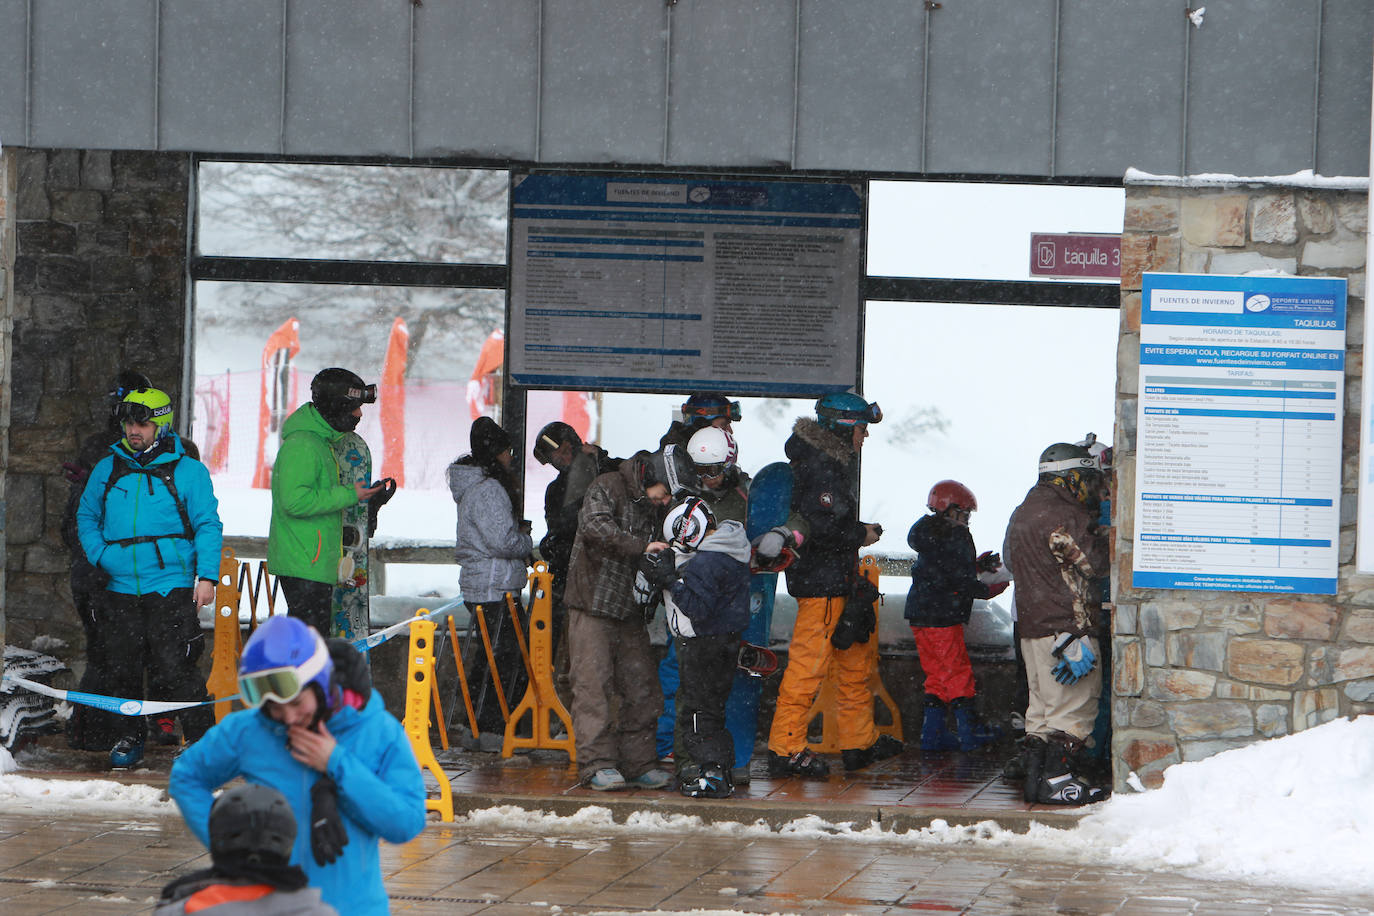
357	212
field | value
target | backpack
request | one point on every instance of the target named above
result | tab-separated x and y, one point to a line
164	472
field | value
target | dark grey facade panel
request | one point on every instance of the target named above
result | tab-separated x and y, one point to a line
1120	110
1252	88
852	114
348	65
732	84
1343	107
93	72
476	78
14	75
991	95
602	90
220	85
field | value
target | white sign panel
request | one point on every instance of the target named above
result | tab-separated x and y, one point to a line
1238	467
664	283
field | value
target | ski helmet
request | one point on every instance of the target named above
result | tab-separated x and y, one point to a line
713	451
1062	457
1103	453
283	657
708	407
336	393
252	823
146	405
552	436
686	524
844	410
669	466
948	493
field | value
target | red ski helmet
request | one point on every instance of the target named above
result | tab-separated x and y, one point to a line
948	493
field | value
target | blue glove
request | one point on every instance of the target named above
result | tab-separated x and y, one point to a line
1076	659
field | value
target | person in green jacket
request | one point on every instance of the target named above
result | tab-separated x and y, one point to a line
305	541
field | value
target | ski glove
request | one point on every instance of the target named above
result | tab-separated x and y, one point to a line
988	561
327	834
660	569
374	505
1076	659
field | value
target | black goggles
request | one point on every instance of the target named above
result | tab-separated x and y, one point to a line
364	395
132	412
872	414
711	470
731	410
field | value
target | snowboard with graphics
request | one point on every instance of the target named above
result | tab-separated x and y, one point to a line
350	614
770	503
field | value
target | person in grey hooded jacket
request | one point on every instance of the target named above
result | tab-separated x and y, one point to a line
492	547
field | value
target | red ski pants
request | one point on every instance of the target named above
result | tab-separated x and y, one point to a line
944	659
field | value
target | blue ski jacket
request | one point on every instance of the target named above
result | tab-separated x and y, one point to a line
140	505
381	791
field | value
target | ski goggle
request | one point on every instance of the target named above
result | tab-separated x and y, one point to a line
730	409
364	395
134	412
279	684
871	414
711	470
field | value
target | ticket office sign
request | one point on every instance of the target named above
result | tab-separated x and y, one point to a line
1238	466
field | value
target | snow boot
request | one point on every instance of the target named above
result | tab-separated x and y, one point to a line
973	732
165	731
803	763
1058	784
935	734
127	752
1032	763
713	782
857	758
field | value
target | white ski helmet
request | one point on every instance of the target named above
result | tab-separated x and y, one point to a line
713	451
686	524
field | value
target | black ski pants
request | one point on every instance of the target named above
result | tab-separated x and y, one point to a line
158	636
706	666
309	601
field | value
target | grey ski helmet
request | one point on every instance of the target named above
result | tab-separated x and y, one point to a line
253	823
1062	457
336	393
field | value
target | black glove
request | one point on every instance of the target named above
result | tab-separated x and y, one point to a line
350	667
859	618
660	569
374	505
327	834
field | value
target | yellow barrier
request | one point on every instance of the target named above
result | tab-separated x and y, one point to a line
417	719
540	699
224	673
825	703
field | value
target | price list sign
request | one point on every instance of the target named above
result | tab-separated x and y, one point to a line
1238	449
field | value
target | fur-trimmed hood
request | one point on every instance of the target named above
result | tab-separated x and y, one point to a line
823	440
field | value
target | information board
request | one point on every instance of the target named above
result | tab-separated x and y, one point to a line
1238	449
670	283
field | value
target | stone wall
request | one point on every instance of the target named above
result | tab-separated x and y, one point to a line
1200	672
99	266
8	183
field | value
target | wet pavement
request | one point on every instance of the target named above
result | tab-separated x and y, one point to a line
76	861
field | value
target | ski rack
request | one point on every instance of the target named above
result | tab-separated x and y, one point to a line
826	703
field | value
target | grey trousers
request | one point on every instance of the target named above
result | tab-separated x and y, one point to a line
616	697
1056	707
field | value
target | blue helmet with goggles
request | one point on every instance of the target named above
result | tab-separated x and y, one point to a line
708	407
845	410
283	657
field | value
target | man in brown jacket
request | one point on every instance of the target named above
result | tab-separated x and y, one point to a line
611	660
1056	552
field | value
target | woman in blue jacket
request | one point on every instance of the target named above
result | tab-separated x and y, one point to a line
328	744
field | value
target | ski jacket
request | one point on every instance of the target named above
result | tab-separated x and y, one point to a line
305	539
825	493
731	501
562	503
1055	550
380	789
712	597
491	550
224	897
944	578
136	528
616	524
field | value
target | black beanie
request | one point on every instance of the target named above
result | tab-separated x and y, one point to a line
487	440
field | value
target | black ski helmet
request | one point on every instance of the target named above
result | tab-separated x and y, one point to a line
336	393
253	823
551	437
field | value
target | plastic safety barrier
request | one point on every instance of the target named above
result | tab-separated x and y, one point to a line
234	581
419	686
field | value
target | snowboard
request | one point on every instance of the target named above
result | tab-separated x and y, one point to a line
770	503
350	615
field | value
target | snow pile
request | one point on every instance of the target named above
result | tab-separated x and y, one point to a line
7	764
1303	179
87	794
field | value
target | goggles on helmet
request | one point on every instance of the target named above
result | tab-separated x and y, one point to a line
364	395
280	684
133	412
872	414
712	411
711	470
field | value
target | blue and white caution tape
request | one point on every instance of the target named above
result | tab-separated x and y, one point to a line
381	636
124	707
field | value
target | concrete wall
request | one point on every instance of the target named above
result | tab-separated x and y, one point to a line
8	183
96	246
1199	672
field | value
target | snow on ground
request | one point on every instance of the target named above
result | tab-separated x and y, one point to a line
1295	811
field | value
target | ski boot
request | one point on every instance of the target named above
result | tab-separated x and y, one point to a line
1058	783
857	758
1032	763
712	782
935	734
803	763
127	753
972	731
756	661
164	731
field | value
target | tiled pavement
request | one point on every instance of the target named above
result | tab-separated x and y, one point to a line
88	862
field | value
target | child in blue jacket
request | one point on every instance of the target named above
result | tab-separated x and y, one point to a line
323	738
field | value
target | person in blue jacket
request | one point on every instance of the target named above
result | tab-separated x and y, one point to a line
322	737
149	522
